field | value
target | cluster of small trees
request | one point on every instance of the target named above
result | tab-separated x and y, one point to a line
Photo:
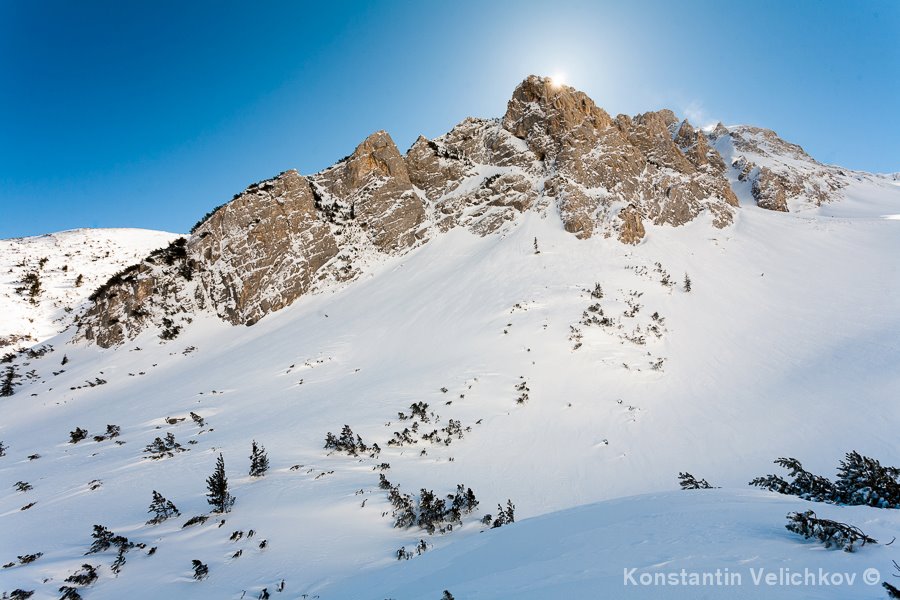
861	480
104	539
350	443
505	516
453	430
164	448
112	431
31	286
428	511
418	410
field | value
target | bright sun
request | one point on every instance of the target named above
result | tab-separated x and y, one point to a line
558	79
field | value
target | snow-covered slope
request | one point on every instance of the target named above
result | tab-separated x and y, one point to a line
685	545
786	345
68	266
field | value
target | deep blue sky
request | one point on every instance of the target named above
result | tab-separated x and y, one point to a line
147	114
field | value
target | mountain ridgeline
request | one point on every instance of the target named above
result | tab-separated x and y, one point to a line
554	149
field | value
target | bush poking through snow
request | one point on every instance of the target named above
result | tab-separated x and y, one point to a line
19	594
162	509
689	482
259	460
831	533
77	435
84	576
69	593
217	485
201	571
29	558
198	520
3	449
112	431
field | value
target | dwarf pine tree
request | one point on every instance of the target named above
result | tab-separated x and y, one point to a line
217	484
687	283
161	508
8	381
201	571
864	480
103	538
259	460
689	482
831	533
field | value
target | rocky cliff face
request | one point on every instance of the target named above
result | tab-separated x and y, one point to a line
778	172
553	149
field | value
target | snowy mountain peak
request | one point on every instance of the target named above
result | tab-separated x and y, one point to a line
553	152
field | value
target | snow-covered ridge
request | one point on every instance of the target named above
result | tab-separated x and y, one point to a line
77	262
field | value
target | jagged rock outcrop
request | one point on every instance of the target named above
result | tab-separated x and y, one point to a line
553	149
779	172
373	184
597	164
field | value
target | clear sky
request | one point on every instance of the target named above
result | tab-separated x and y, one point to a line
147	114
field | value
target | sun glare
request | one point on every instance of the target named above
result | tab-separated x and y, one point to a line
558	80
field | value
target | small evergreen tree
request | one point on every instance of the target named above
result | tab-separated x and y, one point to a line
79	280
3	449
259	460
536	249
687	283
447	596
8	381
161	508
217	484
103	538
505	516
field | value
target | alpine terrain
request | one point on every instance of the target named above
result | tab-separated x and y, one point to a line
476	369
